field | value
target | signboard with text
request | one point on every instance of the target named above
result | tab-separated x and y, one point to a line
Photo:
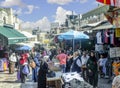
114	52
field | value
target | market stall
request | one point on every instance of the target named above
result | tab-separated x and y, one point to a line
3	61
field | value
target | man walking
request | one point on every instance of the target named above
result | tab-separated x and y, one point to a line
62	57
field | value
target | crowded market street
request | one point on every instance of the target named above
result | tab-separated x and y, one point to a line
59	43
10	80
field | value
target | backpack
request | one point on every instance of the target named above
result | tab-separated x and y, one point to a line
32	64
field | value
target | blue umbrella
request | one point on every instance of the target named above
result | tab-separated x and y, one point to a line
73	35
24	48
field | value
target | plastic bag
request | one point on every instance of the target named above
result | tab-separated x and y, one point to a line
18	75
25	70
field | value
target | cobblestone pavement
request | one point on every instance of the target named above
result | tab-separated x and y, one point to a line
10	81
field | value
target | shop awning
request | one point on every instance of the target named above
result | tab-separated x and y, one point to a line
94	24
104	26
12	35
27	34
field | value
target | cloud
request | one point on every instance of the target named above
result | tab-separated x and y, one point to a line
43	24
18	11
61	2
19	3
31	8
10	3
61	15
83	1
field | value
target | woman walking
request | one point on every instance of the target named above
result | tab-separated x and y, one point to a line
35	70
92	70
42	73
24	70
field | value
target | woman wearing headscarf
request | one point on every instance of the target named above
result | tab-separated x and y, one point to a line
69	62
76	65
92	69
42	73
35	70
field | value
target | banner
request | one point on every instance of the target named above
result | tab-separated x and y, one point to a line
115	3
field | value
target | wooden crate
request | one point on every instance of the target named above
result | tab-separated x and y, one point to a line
54	82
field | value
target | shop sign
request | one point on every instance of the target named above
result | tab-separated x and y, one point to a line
114	52
117	32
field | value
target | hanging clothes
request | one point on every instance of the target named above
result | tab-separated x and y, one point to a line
112	37
1	65
106	36
99	37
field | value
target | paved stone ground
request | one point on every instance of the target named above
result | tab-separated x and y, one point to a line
10	81
104	83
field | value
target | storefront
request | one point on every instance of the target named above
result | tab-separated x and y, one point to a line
10	36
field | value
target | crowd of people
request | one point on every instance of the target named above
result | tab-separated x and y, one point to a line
81	61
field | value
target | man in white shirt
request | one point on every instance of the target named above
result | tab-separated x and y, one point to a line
12	61
84	59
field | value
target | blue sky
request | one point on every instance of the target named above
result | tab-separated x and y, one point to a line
36	12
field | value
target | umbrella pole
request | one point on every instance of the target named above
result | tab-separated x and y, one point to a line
73	45
80	43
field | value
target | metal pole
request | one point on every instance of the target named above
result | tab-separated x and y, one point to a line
73	44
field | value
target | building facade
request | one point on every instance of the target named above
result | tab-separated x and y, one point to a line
8	17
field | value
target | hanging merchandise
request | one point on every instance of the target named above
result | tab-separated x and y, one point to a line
1	65
116	66
106	36
98	47
99	37
112	37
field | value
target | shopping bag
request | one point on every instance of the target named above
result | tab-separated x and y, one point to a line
32	64
25	70
18	75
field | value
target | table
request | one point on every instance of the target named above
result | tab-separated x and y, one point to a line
55	82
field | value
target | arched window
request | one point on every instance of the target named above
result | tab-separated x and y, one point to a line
4	19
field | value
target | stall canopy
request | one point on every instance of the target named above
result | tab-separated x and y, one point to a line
12	35
73	35
106	25
27	34
24	48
